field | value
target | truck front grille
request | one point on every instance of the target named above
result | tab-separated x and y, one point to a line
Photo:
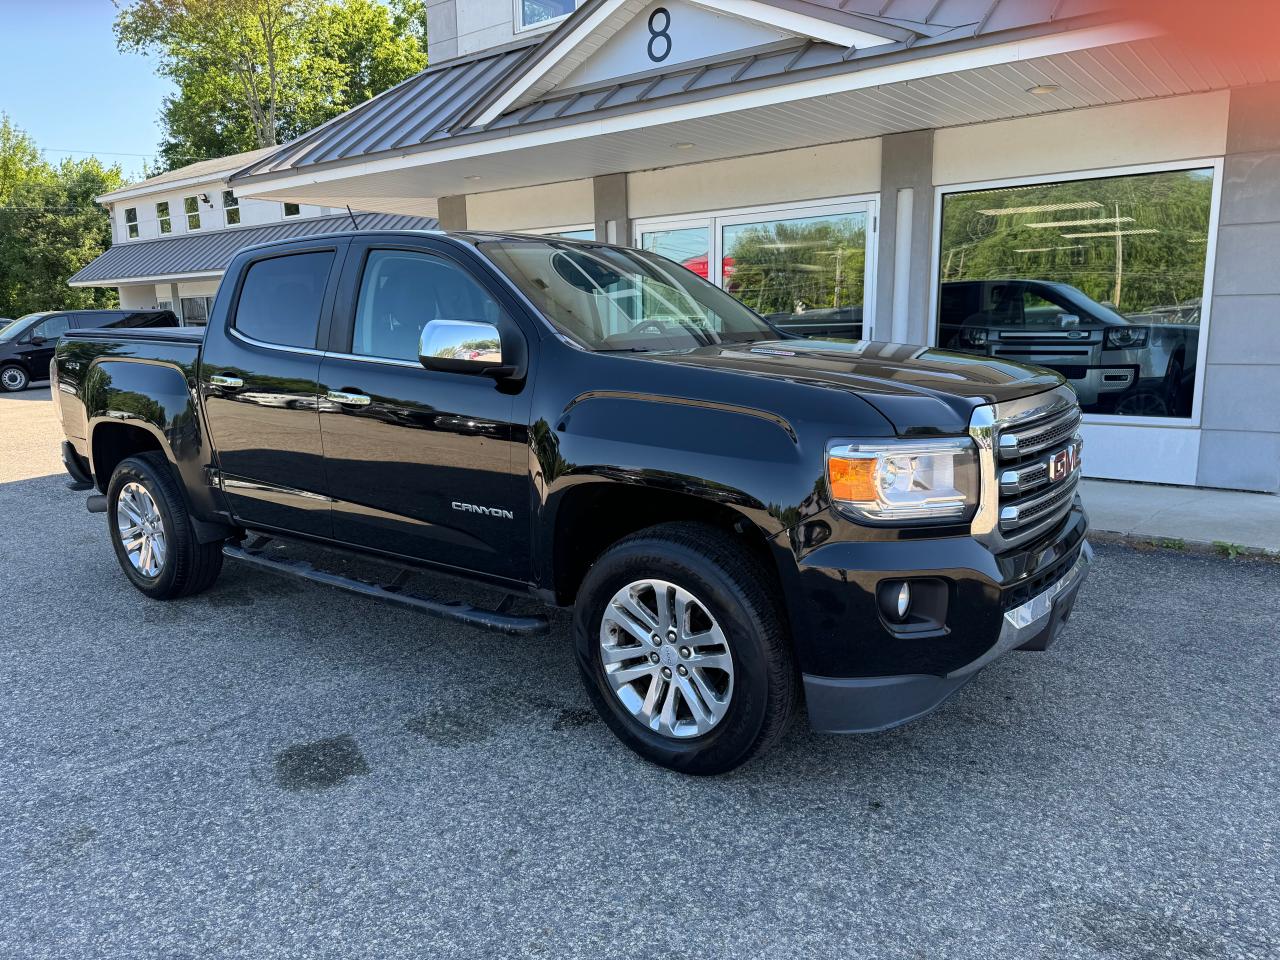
1030	454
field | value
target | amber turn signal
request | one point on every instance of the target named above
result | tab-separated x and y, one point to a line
852	481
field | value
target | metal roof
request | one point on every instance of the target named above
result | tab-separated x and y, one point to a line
212	252
437	106
201	170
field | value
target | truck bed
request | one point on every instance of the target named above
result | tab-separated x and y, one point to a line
132	334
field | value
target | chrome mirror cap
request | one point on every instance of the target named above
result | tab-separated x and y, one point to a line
461	346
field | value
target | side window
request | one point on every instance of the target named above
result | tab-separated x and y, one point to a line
52	328
281	299
401	292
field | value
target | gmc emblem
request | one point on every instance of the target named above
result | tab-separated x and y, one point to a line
1064	463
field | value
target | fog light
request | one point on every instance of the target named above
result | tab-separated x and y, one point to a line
904	600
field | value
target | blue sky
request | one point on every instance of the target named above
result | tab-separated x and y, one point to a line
63	82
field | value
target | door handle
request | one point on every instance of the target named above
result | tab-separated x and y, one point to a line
231	383
351	399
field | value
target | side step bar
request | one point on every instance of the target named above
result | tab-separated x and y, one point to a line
497	620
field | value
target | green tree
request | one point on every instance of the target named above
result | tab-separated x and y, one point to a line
254	73
50	226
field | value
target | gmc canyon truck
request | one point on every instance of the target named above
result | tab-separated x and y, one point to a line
743	521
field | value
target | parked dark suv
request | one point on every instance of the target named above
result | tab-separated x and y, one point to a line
27	344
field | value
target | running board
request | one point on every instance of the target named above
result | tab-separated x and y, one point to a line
457	612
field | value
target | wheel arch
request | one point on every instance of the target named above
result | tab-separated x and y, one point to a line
590	517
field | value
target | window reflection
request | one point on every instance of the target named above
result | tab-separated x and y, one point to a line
1099	279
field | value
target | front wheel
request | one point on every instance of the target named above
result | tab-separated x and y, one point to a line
13	378
152	533
682	646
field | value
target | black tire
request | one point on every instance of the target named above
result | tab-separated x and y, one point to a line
738	591
189	566
14	378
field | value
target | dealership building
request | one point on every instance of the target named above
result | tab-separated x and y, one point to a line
1040	180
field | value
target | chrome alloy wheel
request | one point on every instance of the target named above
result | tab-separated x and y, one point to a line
141	529
666	658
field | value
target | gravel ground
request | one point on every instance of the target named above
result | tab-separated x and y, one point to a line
275	770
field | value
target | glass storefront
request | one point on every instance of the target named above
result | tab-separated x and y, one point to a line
804	269
1101	279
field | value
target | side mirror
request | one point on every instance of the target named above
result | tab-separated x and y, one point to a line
1068	321
37	341
462	346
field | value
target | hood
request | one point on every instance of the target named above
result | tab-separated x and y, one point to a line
921	391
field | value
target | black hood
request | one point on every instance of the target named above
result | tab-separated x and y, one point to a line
918	389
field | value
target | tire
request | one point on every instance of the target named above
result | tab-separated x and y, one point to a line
185	566
14	378
732	590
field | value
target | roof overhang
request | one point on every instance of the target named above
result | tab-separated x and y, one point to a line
171	186
162	278
899	92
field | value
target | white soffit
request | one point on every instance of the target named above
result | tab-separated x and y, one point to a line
626	37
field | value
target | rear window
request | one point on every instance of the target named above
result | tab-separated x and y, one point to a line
281	299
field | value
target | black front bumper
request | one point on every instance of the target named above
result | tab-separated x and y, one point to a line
868	704
861	673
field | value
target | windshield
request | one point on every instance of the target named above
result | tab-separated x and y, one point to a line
20	326
609	299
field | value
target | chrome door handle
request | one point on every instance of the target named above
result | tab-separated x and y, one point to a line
352	399
234	383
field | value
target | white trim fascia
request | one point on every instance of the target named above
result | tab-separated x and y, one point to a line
159	278
1067	176
994	55
549	62
801	24
142	189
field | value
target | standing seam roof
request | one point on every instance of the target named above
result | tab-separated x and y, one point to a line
213	252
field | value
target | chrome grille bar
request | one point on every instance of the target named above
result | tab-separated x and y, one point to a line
1018	443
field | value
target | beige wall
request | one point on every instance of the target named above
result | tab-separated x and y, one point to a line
531	208
814	173
1153	131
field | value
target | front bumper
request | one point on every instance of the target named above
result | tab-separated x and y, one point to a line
869	704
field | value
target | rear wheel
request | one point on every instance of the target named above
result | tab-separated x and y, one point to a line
682	646
152	533
13	378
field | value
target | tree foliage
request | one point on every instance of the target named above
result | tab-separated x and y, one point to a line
50	226
254	73
1137	242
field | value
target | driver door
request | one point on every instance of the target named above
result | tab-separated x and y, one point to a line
426	464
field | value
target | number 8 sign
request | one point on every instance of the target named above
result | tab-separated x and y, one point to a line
659	37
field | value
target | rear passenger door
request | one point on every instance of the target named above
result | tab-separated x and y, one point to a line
423	463
261	396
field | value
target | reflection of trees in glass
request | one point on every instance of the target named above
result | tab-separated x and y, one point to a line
798	265
1137	242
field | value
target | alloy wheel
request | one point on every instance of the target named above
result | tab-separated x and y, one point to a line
666	658
141	529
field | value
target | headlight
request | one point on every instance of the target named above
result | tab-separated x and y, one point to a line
1122	338
973	336
922	480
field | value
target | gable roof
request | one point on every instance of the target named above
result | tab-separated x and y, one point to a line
211	253
448	104
191	173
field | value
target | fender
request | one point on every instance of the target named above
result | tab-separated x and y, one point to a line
606	444
155	396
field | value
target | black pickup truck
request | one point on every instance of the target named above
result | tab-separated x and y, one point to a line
742	520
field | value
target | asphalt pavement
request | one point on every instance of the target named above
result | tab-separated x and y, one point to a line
279	770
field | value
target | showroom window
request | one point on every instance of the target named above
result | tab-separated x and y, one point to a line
1102	279
805	269
531	14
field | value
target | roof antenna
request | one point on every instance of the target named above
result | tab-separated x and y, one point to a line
353	217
